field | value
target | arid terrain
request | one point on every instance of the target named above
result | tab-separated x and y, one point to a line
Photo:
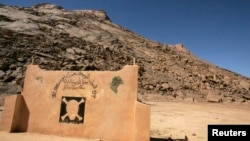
171	119
59	39
191	119
185	92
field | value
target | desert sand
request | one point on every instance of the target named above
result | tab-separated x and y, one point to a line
175	120
170	119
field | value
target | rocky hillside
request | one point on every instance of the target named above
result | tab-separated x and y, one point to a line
58	39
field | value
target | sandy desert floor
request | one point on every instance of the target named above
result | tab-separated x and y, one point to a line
176	120
170	119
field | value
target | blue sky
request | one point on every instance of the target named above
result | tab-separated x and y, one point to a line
217	31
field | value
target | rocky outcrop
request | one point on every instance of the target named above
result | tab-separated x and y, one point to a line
58	39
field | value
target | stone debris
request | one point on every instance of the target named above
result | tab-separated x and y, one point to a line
58	39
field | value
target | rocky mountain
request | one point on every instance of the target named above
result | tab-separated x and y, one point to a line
58	39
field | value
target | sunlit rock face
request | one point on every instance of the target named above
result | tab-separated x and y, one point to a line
59	39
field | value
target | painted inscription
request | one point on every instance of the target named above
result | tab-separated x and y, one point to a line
75	81
116	82
72	110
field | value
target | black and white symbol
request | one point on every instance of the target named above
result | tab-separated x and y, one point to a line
72	110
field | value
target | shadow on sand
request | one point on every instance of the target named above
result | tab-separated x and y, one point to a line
167	139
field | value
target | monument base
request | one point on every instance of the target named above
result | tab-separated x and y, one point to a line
84	104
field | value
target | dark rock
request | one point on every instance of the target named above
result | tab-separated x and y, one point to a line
8	72
2	74
91	68
148	87
4	18
4	66
9	78
47	5
20	81
73	67
13	66
2	52
247	97
18	72
9	88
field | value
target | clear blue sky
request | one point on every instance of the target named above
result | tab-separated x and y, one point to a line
217	31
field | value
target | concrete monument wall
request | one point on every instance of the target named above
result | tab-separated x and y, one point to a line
87	104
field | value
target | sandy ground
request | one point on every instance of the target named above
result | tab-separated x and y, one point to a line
176	120
169	119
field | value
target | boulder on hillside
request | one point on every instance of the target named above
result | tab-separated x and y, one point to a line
10	88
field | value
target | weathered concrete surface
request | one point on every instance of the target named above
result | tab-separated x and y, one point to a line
88	104
16	116
5	136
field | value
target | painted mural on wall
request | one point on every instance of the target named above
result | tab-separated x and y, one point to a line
116	82
72	110
75	81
